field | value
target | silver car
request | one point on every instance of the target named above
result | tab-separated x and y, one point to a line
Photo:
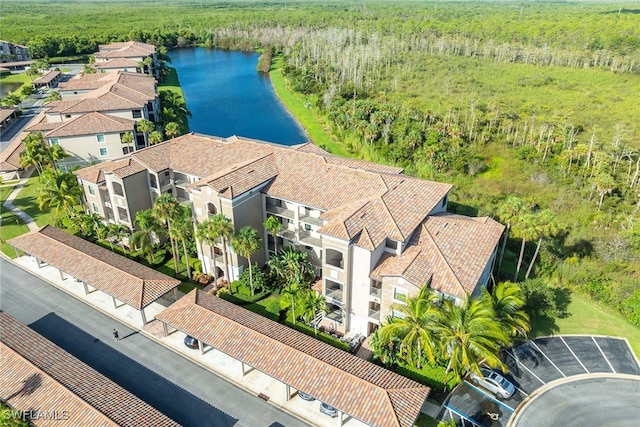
494	382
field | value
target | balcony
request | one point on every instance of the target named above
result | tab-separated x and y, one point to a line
374	313
277	210
334	258
333	291
335	313
376	290
180	180
288	234
165	183
311	220
306	238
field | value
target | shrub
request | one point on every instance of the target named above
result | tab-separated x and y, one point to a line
222	291
260	279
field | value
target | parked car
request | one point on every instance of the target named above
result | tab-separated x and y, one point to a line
305	396
494	382
328	410
190	342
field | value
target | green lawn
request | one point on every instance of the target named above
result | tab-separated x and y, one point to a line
586	317
27	202
297	104
171	83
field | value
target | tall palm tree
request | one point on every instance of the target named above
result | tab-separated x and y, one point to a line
290	265
35	152
290	297
245	243
145	126
53	96
547	226
60	191
507	300
172	129
527	228
144	237
470	336
415	327
155	137
183	231
206	235
166	209
312	304
55	153
118	232
223	229
273	226
509	211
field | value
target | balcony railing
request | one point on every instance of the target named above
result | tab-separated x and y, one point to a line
311	220
165	183
375	292
336	262
287	213
334	294
305	237
287	234
181	182
335	315
374	314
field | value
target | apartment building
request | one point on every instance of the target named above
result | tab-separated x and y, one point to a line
95	113
128	56
11	52
372	233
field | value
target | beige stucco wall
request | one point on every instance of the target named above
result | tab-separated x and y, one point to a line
87	147
136	190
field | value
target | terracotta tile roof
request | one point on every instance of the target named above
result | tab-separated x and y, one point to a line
47	77
10	156
6	112
53	380
120	277
310	147
355	386
125	50
449	252
91	123
86	81
116	63
43	125
243	178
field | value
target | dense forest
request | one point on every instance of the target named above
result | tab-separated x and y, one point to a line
529	108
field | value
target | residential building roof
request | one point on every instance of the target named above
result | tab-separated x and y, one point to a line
129	49
355	386
47	77
449	252
90	123
118	276
39	375
116	63
86	81
10	156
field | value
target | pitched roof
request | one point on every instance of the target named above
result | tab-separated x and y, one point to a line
86	81
355	386
37	374
118	276
116	63
91	123
47	77
10	156
6	113
129	49
449	251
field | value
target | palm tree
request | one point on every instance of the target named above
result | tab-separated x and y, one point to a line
206	235
470	336
55	153
245	243
273	226
289	297
172	129
145	126
155	137
223	229
60	191
415	326
183	231
312	304
166	209
527	229
507	300
34	153
53	96
144	237
290	265
547	226
118	232
102	233
509	211
126	138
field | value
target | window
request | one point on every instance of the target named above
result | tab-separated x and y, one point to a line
54	141
127	150
104	152
92	190
397	314
100	137
399	294
94	206
307	227
137	114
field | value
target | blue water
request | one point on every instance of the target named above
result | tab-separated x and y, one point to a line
227	96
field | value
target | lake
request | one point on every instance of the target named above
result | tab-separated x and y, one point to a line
227	96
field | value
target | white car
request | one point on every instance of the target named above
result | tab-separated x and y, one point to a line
494	382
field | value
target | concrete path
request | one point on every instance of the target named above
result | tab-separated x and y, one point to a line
8	204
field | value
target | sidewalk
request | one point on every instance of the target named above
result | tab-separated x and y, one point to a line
8	204
254	382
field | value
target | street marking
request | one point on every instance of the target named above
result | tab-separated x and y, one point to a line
574	355
521	391
602	353
550	361
489	395
523	365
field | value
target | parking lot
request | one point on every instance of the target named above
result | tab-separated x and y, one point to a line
536	363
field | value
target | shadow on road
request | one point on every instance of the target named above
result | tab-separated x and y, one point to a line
169	398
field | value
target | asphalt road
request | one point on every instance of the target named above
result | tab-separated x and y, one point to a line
182	390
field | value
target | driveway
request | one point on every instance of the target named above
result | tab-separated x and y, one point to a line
536	363
184	391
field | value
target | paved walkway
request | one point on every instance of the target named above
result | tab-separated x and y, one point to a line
8	204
